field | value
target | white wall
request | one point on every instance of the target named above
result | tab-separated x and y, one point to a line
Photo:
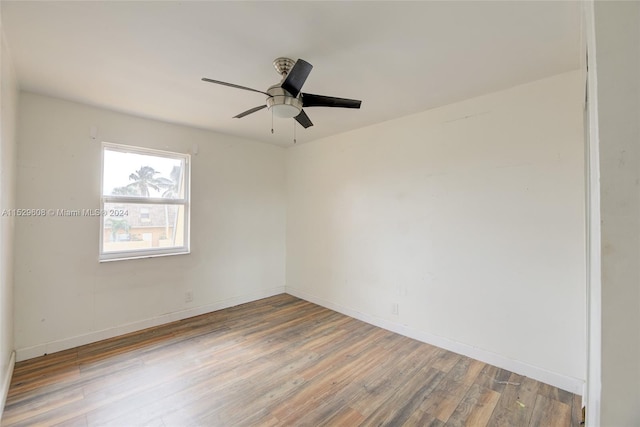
469	217
8	107
64	297
617	58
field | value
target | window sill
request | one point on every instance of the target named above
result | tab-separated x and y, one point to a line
131	256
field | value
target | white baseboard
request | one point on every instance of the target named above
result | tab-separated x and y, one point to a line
67	343
7	382
570	384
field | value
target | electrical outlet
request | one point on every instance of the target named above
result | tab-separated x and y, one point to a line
188	296
402	290
395	309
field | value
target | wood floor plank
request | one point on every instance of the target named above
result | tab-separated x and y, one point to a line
330	380
555	393
476	407
374	381
50	378
493	378
516	402
279	361
576	411
446	361
400	406
42	405
376	388
466	370
79	421
423	419
445	399
550	413
345	416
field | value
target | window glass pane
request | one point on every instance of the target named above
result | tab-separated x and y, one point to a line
130	226
142	175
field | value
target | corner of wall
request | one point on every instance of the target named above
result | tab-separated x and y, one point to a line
8	108
6	382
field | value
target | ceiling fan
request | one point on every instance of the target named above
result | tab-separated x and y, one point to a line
284	99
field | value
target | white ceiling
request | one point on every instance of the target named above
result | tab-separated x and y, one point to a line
147	58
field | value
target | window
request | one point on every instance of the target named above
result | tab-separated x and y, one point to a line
144	215
144	203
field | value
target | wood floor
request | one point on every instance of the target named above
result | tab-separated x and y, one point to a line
279	361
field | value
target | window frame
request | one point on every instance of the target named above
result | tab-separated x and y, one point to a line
185	202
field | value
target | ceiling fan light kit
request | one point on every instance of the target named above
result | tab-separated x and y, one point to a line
285	100
282	103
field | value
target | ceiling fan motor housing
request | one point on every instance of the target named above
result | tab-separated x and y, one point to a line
282	103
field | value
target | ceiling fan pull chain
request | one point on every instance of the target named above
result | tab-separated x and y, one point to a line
272	121
294	132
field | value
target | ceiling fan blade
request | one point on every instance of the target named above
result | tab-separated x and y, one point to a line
296	77
253	110
310	100
303	119
204	79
